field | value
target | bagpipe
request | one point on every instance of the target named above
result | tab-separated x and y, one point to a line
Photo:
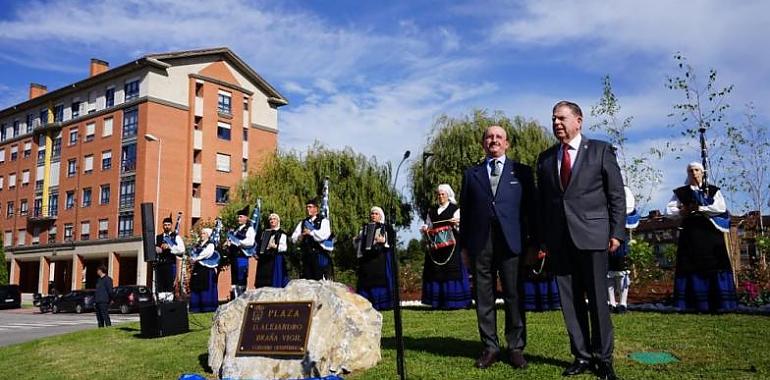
328	244
255	215
170	239
213	260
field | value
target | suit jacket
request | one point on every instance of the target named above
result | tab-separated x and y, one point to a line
513	205
103	290
593	205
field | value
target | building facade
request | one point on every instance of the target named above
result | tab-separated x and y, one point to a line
178	130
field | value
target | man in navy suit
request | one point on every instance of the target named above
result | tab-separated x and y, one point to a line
497	201
583	217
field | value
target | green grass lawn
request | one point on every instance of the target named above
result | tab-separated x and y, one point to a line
439	345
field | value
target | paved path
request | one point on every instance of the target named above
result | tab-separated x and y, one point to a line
21	325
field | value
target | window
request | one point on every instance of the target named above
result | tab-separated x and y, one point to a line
36	235
27	149
2	179
58	113
85	231
128	158
9	209
224	104
104	194
8	239
109	97
52	235
90	131
14	152
25	177
87	197
245	134
131	89
223	194
107	127
2	156
68	232
53	204
37	207
130	122
11	180
75	109
245	104
3	133
103	228
70	201
72	167
88	164
127	190
106	159
73	136
44	117
126	225
16	128
223	162
56	149
223	131
245	165
21	237
23	207
30	122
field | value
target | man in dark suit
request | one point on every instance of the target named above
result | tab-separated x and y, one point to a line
497	201
102	297
582	214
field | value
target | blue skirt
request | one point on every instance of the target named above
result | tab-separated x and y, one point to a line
280	274
708	292
205	300
381	297
541	294
447	295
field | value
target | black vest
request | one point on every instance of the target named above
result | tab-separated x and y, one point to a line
165	256
309	244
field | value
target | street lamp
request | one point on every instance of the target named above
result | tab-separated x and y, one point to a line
151	137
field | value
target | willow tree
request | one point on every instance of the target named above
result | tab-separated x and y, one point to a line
455	144
356	183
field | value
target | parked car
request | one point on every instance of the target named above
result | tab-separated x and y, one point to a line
10	297
129	298
77	301
45	303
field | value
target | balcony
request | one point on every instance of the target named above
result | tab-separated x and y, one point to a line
198	139
128	166
198	106
197	173
196	208
40	214
126	202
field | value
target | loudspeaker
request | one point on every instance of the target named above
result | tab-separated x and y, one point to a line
164	319
148	232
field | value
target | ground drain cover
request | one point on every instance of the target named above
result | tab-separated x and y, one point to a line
653	358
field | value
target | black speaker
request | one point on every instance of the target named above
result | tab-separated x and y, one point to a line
148	232
164	319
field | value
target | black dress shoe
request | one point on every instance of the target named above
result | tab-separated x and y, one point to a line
577	367
487	358
604	371
517	359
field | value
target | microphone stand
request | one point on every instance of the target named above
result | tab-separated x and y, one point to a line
396	283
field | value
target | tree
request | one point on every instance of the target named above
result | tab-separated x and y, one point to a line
356	183
749	147
639	173
702	111
3	269
455	144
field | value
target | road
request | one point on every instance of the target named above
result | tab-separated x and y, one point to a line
22	325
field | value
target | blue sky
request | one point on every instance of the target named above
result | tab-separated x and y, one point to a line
375	75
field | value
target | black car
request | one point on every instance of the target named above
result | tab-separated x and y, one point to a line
10	297
129	298
77	301
45	303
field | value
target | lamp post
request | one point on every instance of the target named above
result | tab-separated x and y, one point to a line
151	137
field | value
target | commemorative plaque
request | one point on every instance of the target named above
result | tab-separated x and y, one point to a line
275	329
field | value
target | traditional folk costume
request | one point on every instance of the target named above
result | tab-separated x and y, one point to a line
538	284
703	278
271	259
165	265
239	262
618	279
445	282
204	296
375	262
316	257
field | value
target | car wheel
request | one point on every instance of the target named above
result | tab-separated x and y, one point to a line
42	310
78	308
55	309
124	309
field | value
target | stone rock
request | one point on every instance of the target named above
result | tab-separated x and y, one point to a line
344	334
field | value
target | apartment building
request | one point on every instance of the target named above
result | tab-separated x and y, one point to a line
178	129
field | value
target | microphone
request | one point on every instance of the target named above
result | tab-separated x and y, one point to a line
406	154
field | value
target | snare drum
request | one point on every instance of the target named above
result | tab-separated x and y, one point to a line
441	237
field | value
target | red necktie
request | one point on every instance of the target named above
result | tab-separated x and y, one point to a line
566	166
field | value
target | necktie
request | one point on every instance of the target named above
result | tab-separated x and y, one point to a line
566	166
494	177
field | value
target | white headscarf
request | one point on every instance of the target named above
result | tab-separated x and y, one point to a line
449	192
694	164
208	231
380	212
274	215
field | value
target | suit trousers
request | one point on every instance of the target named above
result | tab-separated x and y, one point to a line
588	324
103	314
496	258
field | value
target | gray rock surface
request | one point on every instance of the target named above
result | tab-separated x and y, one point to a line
344	334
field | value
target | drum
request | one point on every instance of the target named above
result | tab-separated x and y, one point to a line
441	237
